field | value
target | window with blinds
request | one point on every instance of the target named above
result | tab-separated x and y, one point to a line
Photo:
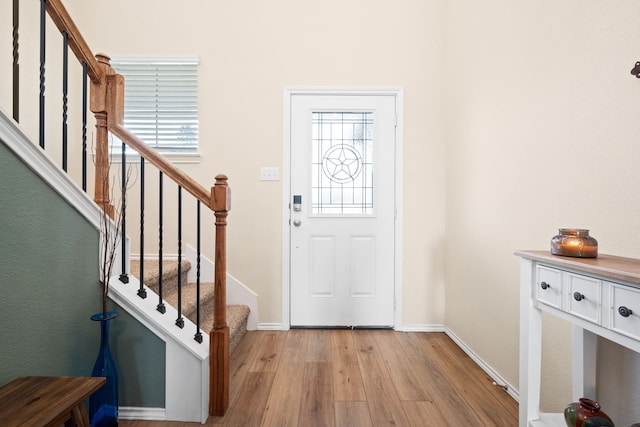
161	102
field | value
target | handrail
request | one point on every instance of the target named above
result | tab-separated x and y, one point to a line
115	120
96	73
219	201
78	45
111	98
163	165
107	104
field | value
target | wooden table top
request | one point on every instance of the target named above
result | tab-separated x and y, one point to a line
40	401
615	267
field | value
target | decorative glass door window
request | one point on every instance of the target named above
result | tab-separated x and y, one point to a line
342	163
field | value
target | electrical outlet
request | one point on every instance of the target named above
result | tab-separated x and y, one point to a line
269	174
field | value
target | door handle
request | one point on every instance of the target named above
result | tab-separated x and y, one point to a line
297	222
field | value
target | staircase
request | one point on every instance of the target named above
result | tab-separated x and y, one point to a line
197	367
237	315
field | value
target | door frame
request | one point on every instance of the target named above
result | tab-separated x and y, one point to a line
286	191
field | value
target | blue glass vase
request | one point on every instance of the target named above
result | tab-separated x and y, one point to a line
103	404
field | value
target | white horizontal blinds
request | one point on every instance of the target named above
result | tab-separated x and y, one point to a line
161	102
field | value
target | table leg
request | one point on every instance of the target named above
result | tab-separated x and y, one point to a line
79	417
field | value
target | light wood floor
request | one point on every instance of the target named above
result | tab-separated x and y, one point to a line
356	378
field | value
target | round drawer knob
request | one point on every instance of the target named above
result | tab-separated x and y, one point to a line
545	285
624	311
578	296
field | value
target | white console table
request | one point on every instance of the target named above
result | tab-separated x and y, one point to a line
599	296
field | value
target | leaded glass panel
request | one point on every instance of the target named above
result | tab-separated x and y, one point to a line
342	163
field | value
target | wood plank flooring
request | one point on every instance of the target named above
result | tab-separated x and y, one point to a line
359	378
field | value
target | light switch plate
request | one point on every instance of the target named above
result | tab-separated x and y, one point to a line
269	174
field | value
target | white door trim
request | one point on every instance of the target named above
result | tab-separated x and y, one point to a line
286	185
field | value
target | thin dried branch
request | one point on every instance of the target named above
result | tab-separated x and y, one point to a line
111	228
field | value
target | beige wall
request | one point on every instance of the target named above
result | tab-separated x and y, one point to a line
520	118
542	133
249	53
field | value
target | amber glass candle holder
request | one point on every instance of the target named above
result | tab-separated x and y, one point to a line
574	242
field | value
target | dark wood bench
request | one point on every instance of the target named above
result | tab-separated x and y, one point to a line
47	401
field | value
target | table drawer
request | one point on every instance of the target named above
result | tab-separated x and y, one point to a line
625	315
583	297
549	286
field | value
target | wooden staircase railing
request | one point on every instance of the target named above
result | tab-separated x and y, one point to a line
107	104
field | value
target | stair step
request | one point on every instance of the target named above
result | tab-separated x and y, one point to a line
152	273
237	315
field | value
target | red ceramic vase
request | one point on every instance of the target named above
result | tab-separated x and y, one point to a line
586	413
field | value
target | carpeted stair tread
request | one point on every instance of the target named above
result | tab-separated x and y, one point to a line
237	315
151	273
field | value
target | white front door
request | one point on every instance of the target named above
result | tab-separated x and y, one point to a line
342	212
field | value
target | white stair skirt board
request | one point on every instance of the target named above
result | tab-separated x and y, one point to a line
187	362
237	292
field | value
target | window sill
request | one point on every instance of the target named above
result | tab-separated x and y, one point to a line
173	157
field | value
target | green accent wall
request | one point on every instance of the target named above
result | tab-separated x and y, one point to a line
49	289
140	358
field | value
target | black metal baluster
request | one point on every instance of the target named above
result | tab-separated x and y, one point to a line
43	16
142	292
124	277
161	307
198	336
84	125
65	96
16	65
180	320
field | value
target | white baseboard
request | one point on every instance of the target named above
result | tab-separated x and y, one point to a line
403	328
271	327
134	413
420	328
497	378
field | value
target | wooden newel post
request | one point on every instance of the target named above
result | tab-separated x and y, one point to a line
99	107
219	335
